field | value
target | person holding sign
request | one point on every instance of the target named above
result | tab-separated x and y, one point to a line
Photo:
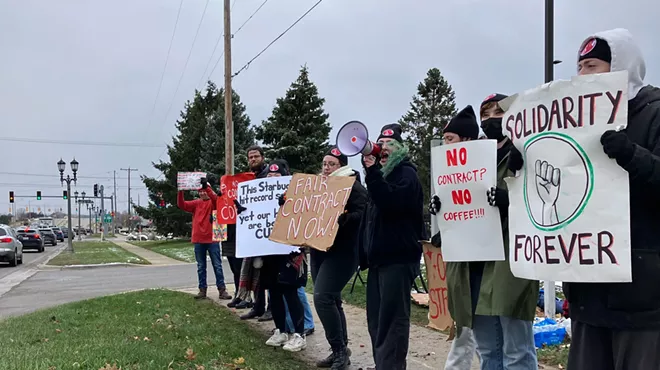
616	326
202	237
392	226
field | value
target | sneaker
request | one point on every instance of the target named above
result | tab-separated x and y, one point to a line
234	302
296	343
267	316
277	339
308	332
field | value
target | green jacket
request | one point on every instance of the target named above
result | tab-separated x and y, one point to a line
501	293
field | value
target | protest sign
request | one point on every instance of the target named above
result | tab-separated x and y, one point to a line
436	276
309	215
189	180
254	225
219	230
560	228
228	188
470	228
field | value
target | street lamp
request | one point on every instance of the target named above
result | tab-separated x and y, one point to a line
61	166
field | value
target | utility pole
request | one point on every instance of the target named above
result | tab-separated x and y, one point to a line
113	201
104	230
129	170
229	124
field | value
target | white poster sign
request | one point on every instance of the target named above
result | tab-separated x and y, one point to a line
569	216
254	225
470	228
189	180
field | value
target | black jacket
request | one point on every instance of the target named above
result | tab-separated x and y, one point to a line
633	305
393	222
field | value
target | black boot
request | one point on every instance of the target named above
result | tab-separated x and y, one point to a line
340	360
327	362
234	302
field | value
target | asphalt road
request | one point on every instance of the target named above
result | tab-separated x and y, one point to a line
31	259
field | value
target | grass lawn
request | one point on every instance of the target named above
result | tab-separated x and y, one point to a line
98	235
153	329
91	253
181	250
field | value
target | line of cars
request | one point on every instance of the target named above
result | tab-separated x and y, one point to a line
14	241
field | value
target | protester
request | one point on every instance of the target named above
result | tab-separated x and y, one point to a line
202	237
462	127
616	326
392	226
255	155
332	270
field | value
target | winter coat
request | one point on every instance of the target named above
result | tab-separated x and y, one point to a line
634	305
202	225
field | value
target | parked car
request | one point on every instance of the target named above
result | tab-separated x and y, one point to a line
65	232
48	236
11	249
31	239
58	233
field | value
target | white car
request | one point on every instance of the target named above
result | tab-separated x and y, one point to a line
11	249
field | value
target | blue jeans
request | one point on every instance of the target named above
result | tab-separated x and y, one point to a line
504	343
309	319
216	261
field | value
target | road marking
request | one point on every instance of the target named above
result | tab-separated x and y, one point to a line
15	278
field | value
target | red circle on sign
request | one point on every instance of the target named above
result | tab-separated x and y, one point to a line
274	168
335	152
388	132
588	47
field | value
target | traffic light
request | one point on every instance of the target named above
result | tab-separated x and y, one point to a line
65	194
11	197
96	190
38	195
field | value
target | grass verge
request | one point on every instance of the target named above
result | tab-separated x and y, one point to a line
181	250
92	253
153	329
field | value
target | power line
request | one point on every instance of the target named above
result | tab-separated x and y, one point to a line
232	5
109	177
275	40
250	17
74	142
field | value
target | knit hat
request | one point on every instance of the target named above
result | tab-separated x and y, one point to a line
279	166
464	124
493	98
596	48
392	131
334	152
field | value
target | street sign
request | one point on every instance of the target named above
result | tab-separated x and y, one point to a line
107	218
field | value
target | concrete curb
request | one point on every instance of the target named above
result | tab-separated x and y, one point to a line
100	265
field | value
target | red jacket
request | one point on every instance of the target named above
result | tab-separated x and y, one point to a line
202	228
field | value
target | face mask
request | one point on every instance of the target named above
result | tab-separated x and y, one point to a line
493	128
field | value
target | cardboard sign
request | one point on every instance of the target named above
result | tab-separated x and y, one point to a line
470	227
560	227
436	275
228	188
309	215
254	225
189	180
219	230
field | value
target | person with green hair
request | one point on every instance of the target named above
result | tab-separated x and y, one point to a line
392	226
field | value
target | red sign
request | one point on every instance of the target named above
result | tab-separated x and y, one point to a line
229	188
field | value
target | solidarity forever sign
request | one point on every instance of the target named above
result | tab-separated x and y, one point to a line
560	227
229	189
189	180
436	274
469	226
254	225
309	215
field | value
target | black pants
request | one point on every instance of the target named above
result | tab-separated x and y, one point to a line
608	349
235	266
280	292
388	313
330	273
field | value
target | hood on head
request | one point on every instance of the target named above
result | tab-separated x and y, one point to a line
626	56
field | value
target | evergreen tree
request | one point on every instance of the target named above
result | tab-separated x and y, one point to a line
430	111
298	129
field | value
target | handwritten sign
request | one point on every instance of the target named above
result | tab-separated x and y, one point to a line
560	228
229	190
436	275
470	227
189	180
254	225
309	215
219	230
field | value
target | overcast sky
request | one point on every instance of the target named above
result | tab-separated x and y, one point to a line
83	70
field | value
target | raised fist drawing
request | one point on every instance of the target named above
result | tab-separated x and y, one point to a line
548	181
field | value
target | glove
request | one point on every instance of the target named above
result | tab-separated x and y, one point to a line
341	220
515	162
498	197
281	199
239	207
434	205
617	146
204	182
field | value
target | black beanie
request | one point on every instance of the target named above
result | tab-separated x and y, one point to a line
392	131
464	124
493	98
279	166
334	152
596	48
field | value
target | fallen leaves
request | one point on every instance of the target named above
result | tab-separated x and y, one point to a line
190	355
110	367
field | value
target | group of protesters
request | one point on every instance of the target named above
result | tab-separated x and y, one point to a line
614	326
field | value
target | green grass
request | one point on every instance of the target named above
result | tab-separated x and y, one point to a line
554	355
98	235
92	253
153	329
181	250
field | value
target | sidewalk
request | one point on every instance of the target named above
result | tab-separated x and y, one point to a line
156	259
428	348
